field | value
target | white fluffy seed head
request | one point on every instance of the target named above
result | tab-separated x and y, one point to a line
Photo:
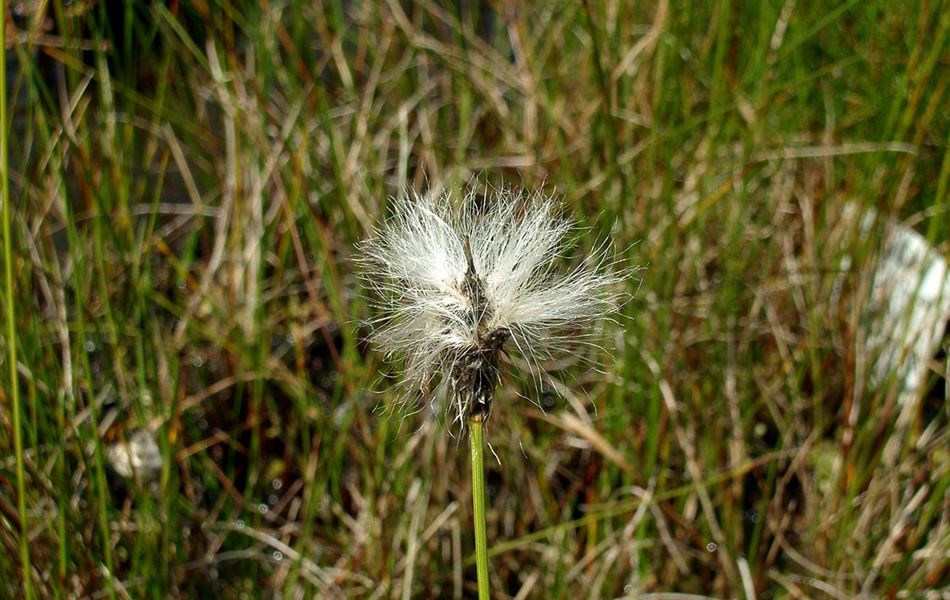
417	264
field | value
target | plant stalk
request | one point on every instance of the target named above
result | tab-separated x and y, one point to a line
475	429
10	314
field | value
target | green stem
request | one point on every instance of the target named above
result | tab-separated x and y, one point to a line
475	427
10	314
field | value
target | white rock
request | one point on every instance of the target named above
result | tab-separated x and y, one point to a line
140	457
908	310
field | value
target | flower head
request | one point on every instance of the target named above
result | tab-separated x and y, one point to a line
459	284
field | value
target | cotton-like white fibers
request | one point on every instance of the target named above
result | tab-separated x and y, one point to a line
455	279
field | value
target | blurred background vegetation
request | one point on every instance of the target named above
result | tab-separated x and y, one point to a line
200	411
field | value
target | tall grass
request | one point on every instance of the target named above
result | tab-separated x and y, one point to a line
20	521
187	184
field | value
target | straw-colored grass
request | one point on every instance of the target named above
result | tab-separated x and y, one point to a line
189	179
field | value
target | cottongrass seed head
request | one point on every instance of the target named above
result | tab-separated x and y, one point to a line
458	284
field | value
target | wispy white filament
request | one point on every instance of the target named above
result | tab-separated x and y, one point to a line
416	264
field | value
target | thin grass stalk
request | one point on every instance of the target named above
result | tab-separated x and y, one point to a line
475	428
10	317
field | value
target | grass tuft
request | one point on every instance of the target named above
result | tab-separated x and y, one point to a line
190	180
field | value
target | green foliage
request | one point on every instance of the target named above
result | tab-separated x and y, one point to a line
188	181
